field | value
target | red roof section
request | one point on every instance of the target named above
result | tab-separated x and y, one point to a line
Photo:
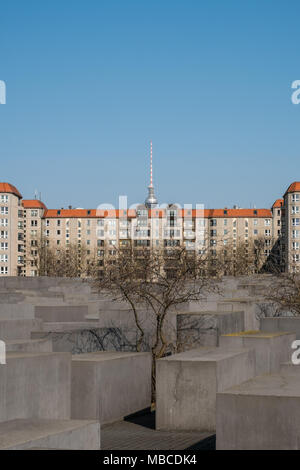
9	188
156	213
278	203
293	188
33	204
88	213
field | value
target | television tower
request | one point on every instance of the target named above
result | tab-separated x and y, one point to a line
151	200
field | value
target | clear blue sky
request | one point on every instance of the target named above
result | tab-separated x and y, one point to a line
90	83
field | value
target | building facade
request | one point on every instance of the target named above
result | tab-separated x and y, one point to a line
28	226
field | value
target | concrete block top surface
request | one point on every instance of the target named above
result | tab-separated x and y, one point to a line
258	334
68	326
102	356
23	341
211	312
276	385
18	431
211	354
24	355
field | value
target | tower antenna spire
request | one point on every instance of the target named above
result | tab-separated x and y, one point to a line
151	200
151	169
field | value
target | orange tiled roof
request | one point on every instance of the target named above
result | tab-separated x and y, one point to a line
153	213
293	188
9	188
278	203
88	213
33	204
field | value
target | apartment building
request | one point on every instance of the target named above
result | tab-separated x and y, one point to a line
26	225
291	227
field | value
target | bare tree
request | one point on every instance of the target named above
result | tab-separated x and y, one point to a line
64	261
285	294
160	281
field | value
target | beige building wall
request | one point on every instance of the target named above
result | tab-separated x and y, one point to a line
292	227
27	224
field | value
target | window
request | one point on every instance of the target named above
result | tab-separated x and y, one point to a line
34	223
213	233
267	221
4	198
295	233
4	270
3	234
267	233
100	222
295	245
255	222
225	221
295	209
255	232
3	222
4	246
3	258
213	222
4	210
296	221
295	197
34	213
47	223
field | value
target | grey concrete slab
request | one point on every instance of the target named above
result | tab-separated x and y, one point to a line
108	385
18	311
21	434
85	338
18	329
249	306
271	349
29	345
197	329
260	414
187	384
63	313
35	385
284	323
288	368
